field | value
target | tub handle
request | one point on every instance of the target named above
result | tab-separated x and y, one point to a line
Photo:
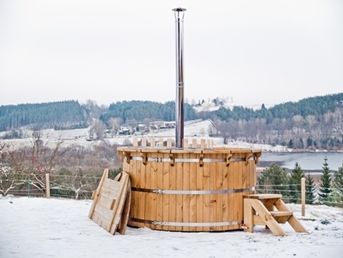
144	158
228	159
247	157
128	157
172	159
201	159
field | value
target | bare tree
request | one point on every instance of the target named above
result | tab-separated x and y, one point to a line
97	130
43	161
11	171
76	182
115	124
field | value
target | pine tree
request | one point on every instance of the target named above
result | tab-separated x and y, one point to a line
295	183
273	180
310	189
338	185
325	183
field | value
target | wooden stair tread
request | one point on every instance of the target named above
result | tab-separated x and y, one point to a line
263	196
281	213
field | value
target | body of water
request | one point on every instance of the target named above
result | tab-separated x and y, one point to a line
307	160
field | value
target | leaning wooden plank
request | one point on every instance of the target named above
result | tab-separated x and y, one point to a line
118	209
96	195
265	215
116	204
296	225
125	216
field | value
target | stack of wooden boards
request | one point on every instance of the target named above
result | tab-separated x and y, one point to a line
111	203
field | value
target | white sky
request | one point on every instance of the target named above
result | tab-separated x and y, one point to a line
266	51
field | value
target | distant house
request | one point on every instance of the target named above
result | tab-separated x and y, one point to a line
157	125
124	130
141	129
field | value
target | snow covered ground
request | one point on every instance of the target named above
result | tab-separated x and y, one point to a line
193	129
38	227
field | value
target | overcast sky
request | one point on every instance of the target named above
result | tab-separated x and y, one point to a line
266	51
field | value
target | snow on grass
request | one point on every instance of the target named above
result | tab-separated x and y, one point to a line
38	227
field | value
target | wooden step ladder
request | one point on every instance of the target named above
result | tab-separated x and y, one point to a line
269	210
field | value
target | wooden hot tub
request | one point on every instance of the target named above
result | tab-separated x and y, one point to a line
189	189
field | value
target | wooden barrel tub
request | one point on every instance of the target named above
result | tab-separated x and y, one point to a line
189	189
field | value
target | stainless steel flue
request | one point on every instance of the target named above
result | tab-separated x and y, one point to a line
179	110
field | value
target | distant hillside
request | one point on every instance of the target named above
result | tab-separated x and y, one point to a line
64	114
141	110
311	123
314	106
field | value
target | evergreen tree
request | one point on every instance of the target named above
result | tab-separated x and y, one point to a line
273	180
338	185
310	189
295	183
325	183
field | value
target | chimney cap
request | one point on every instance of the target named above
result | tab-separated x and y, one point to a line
179	9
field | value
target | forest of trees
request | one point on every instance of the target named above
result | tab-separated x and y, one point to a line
141	110
59	115
311	123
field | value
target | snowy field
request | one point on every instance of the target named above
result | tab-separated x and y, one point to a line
38	227
193	129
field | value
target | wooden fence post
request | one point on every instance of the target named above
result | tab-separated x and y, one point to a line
303	196
47	185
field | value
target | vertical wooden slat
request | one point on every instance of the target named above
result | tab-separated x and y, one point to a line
159	185
172	197
200	199
186	186
303	196
230	197
219	186
136	169
213	199
165	184
179	199
225	207
206	198
147	185
240	184
252	172
248	216
141	210
234	186
194	168
153	185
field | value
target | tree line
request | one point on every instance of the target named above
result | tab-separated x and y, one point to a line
59	115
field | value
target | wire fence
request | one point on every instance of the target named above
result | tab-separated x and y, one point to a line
82	186
61	186
291	193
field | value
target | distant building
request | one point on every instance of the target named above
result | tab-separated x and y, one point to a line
124	130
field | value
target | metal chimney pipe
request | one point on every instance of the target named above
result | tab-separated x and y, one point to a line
179	110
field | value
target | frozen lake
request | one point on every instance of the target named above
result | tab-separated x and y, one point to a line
308	160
